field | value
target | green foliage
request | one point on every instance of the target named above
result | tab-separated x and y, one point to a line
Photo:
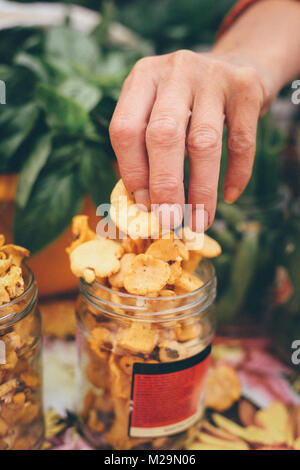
251	231
62	86
55	199
167	24
16	123
32	167
174	24
285	320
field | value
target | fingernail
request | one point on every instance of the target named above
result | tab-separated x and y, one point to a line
231	194
170	215
142	199
199	220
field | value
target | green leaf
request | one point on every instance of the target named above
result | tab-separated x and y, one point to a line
32	63
32	167
102	31
174	24
15	126
59	65
13	39
115	63
55	199
243	269
73	46
60	110
92	133
66	154
83	93
20	84
6	72
97	176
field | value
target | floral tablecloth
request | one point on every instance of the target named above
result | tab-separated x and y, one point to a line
263	377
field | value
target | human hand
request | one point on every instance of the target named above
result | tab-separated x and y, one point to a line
178	102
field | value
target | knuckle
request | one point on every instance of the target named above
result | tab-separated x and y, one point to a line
142	64
122	131
246	77
213	68
127	82
241	142
248	83
204	138
134	177
163	132
164	188
127	78
181	56
182	64
201	194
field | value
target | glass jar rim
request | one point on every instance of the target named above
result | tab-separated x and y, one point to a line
203	297
30	288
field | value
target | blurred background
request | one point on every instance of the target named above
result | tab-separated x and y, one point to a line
63	66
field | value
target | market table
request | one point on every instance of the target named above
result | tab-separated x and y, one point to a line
264	379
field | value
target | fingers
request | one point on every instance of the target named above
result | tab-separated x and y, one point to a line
149	126
242	113
128	126
165	141
204	144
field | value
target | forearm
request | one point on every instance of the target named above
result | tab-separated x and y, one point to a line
153	124
267	35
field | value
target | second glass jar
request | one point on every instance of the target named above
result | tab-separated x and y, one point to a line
21	410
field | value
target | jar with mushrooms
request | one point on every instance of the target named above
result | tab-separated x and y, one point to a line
21	414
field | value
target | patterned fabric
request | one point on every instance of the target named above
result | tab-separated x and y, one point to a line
234	13
264	380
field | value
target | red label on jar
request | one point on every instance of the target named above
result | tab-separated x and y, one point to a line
167	398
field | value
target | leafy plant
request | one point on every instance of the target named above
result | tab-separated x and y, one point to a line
285	319
168	24
251	232
62	87
174	24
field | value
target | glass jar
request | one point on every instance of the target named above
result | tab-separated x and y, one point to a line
21	413
143	364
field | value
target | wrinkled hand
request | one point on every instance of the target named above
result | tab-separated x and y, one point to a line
180	101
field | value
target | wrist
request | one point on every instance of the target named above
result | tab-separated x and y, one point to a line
267	78
267	37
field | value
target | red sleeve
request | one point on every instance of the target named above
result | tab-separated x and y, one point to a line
234	13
